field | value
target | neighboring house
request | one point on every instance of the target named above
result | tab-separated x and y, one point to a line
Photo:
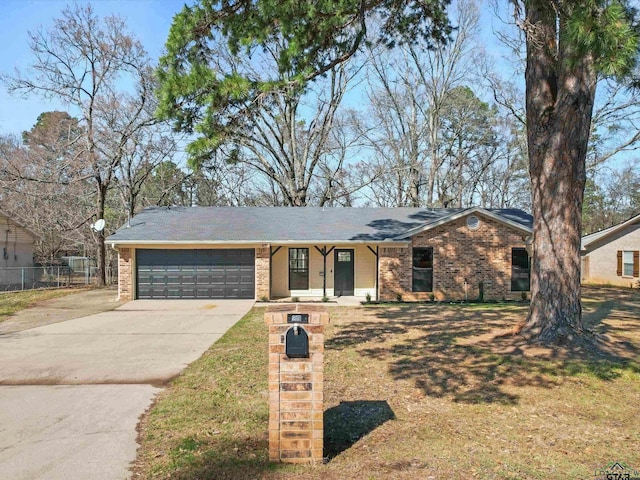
16	250
278	252
611	256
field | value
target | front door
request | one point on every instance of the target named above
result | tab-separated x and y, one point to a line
343	268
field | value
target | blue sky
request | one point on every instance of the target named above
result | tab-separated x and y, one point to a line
149	20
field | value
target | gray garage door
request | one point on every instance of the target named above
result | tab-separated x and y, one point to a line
196	273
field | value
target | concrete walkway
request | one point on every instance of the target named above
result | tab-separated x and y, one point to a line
71	393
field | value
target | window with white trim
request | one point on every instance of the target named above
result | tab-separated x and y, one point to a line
627	263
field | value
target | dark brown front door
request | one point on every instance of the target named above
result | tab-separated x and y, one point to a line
343	277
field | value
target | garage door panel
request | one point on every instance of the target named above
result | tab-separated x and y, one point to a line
205	273
217	292
185	292
203	292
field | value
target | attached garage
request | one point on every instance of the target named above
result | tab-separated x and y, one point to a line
198	273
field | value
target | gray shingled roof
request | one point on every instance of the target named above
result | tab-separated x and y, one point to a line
594	237
273	224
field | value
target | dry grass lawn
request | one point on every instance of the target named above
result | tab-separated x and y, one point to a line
416	392
12	302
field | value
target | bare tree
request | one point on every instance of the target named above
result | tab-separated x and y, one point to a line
38	178
85	61
408	89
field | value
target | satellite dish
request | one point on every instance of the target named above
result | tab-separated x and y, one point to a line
98	226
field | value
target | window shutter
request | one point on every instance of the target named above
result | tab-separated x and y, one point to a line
636	263
619	271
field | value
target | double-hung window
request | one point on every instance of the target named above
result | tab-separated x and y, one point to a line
520	270
422	269
627	263
298	269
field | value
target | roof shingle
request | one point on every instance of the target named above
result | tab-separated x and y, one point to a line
272	224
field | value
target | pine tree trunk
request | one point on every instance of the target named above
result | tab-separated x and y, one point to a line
560	96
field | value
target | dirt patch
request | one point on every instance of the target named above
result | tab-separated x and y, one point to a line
75	305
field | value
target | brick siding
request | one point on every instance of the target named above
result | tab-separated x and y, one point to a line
263	277
459	254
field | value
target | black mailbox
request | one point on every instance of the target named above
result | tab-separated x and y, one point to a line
296	343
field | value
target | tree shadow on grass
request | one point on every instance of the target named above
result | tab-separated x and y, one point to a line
471	354
348	422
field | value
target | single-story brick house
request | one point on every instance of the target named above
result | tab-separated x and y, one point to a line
279	252
612	256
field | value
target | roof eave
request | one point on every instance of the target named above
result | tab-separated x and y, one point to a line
115	243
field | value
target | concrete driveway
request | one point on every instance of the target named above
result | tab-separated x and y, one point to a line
71	393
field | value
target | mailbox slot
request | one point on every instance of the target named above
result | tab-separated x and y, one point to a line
296	343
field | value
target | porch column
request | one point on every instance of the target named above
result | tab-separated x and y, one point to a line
323	251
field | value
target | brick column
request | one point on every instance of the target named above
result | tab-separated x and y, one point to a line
263	272
125	287
296	396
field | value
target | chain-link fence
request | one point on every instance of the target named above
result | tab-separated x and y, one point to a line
28	278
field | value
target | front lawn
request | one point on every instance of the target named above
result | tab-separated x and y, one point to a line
415	391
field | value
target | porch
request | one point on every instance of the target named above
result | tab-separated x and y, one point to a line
311	272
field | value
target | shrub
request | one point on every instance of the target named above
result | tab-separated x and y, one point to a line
325	299
524	296
398	297
295	299
432	297
368	297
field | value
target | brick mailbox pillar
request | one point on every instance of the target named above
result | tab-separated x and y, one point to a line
296	379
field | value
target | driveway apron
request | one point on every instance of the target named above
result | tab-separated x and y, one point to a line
71	393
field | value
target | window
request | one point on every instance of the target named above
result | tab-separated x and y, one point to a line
520	270
298	269
344	256
627	263
422	269
473	222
